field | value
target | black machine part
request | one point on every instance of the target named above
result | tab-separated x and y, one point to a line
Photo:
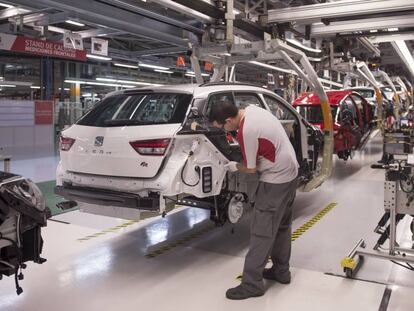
22	214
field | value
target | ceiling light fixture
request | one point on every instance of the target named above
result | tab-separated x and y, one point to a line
75	81
126	65
35	87
7	85
163	71
123	81
401	47
193	73
98	57
74	23
393	29
153	66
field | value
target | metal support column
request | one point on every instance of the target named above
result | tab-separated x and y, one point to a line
46	82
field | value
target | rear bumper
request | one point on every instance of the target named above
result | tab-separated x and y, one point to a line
108	197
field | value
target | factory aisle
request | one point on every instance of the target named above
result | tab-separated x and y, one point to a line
184	262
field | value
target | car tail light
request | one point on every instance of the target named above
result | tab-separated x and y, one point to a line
156	147
66	143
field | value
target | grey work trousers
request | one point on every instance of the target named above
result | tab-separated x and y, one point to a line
270	233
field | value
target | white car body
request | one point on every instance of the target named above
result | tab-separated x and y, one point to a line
103	173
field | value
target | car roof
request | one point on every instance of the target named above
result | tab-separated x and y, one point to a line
197	90
334	97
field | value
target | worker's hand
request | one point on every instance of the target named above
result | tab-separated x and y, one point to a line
231	166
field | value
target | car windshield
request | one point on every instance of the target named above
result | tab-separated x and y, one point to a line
365	93
138	109
313	114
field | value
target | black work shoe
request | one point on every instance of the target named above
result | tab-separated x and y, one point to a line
239	293
268	274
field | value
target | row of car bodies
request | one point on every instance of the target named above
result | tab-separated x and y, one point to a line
352	114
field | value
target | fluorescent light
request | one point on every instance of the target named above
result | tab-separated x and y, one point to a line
106	79
153	66
192	73
74	81
300	45
272	67
6	5
74	23
393	29
7	85
404	53
123	81
113	82
127	82
65	89
331	82
35	87
103	84
373	30
99	57
163	71
126	65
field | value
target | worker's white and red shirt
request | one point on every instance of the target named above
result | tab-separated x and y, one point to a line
266	146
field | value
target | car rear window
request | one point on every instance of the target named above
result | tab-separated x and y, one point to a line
138	109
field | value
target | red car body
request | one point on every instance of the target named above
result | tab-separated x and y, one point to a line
352	117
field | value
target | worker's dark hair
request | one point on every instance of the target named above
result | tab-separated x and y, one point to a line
222	110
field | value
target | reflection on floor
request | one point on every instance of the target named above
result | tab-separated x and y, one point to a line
92	268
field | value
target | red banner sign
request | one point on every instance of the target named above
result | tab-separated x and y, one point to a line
39	47
43	112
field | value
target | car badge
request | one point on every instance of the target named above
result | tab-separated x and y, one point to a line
99	141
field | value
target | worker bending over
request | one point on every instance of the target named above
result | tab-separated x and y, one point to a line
267	150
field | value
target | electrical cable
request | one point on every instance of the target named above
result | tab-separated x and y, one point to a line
197	170
19	290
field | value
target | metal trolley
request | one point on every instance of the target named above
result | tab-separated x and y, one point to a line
398	203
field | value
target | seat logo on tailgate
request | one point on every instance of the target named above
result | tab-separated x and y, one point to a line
99	141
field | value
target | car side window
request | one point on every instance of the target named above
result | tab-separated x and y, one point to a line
278	109
348	112
218	97
289	120
245	99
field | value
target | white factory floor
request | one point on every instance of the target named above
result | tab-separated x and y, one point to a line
100	263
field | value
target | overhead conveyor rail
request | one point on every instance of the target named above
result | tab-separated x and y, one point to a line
274	49
338	9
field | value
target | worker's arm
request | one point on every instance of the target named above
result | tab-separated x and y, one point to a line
249	145
244	169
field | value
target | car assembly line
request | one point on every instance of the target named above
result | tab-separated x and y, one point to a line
144	144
